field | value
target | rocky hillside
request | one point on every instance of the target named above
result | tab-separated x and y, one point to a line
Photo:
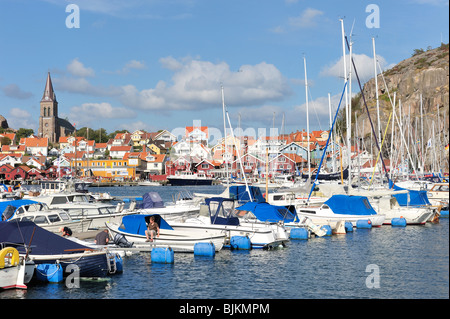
425	73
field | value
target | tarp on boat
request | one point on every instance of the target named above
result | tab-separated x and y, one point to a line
8	207
239	193
221	211
350	205
43	242
416	197
137	224
152	200
267	212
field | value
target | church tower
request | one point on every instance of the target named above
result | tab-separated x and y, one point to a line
48	119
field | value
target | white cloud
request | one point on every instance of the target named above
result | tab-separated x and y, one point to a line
134	126
83	86
76	68
91	113
18	118
364	67
307	19
14	91
130	65
196	85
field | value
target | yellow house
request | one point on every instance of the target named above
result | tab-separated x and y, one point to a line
155	149
109	168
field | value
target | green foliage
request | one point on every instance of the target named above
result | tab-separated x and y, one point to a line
23	132
418	51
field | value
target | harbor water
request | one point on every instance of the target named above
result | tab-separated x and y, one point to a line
380	263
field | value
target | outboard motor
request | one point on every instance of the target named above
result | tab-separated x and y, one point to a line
121	241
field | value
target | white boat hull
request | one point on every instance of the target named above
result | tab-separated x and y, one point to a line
413	216
180	240
261	236
327	217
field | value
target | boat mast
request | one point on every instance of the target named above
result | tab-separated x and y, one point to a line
376	89
346	95
307	121
422	141
331	133
224	138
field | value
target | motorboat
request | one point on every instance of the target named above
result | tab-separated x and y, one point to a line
183	206
219	213
133	228
338	207
414	198
39	213
240	193
439	195
148	183
385	203
78	206
189	179
15	271
44	247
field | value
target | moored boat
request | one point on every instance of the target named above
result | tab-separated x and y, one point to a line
133	227
219	214
342	208
44	247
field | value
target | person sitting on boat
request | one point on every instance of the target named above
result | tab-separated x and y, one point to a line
66	232
152	229
102	238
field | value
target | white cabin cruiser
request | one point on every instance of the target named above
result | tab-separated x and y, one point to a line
133	228
220	214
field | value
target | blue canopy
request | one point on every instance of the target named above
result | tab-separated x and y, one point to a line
217	212
350	205
136	224
416	197
14	205
43	242
152	200
266	212
240	194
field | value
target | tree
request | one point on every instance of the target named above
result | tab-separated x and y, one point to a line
23	132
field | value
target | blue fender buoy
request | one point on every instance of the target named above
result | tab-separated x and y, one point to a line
364	223
443	213
348	227
162	255
240	242
328	230
204	249
49	272
398	222
119	263
299	233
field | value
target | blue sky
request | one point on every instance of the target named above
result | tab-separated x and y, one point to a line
159	64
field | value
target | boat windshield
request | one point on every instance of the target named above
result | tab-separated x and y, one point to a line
78	199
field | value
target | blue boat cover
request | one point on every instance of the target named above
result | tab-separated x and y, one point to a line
266	212
43	242
240	194
14	205
136	224
217	213
152	200
416	197
350	205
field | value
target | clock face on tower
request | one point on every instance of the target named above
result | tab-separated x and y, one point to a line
46	124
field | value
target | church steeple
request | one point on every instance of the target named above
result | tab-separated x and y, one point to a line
49	94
